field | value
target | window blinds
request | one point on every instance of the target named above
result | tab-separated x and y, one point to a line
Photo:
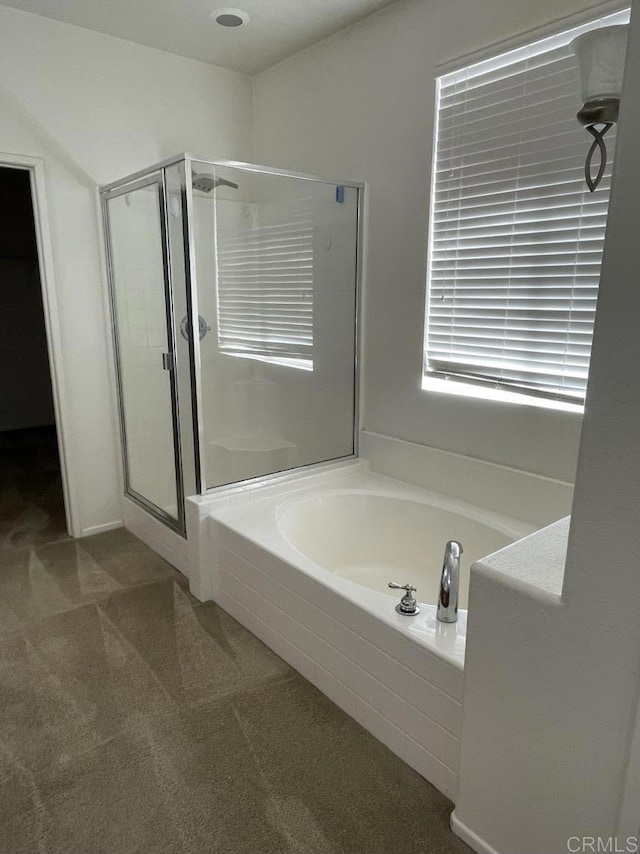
516	237
265	288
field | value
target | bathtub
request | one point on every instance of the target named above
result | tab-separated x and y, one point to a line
372	539
305	565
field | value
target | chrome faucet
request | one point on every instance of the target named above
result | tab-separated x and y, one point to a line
408	605
450	583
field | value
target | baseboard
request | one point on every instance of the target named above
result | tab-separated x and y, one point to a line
100	529
472	839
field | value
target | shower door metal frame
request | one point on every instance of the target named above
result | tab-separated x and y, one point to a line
121	187
194	337
151	177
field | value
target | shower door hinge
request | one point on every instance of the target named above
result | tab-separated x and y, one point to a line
167	361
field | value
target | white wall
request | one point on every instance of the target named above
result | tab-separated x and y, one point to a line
551	682
96	108
360	105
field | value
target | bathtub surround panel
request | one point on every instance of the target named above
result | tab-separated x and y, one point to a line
400	678
512	492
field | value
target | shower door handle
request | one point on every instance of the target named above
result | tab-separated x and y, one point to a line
167	361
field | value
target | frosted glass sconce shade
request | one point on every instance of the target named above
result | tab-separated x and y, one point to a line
601	54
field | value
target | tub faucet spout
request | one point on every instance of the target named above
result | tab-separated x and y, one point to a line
450	583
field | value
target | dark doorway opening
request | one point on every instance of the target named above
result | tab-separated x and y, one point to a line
31	497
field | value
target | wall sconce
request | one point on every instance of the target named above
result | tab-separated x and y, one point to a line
601	56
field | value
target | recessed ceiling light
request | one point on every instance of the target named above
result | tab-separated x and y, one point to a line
230	17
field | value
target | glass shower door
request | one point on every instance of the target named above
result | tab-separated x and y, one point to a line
142	306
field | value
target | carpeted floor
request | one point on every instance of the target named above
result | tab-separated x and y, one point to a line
134	719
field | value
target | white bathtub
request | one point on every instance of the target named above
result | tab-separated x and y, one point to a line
305	564
372	539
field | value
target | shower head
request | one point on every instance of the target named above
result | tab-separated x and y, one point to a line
205	183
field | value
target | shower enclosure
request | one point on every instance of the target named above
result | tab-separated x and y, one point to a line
234	297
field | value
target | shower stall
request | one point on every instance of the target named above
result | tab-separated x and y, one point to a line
234	300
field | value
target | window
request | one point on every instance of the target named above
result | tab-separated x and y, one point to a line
265	285
516	237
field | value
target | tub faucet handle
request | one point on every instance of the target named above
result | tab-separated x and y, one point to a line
408	605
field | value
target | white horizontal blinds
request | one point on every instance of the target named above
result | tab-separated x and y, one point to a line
265	285
516	237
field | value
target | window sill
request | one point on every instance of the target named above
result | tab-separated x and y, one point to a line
461	389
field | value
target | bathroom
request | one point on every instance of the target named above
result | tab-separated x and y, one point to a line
527	724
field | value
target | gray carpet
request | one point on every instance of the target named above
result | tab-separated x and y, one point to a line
134	719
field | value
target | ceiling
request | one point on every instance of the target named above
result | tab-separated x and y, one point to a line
277	29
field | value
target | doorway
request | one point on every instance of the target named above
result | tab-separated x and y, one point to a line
32	504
